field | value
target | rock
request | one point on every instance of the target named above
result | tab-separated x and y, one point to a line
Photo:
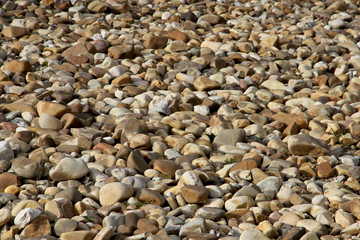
303	144
239	202
25	167
194	194
159	104
270	184
16	66
6	151
113	192
211	213
121	51
50	122
64	225
54	109
230	137
253	234
8	179
150	196
26	216
178	35
166	167
197	225
205	84
79	48
155	42
97	7
69	169
14	31
177	46
270	41
39	227
137	161
325	170
5	216
78	235
310	225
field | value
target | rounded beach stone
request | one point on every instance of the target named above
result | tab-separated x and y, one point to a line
114	192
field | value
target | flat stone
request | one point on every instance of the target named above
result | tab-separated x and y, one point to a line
25	167
14	31
16	66
304	144
78	235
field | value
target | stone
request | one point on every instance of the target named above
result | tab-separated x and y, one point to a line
78	235
97	7
253	234
155	42
25	167
78	49
14	31
178	35
69	169
270	41
229	137
325	170
270	184
8	179
304	144
211	213
5	216
55	109
166	167
64	225
50	122
150	196
121	51
105	233
239	202
136	160
194	194
6	152
113	192
26	216
16	66
205	84
39	227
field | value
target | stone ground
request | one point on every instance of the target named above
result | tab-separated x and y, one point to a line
166	120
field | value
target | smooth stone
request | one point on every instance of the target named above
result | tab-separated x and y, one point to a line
304	144
50	122
69	169
113	192
26	216
6	152
25	167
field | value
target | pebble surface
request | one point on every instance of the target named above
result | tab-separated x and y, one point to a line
181	119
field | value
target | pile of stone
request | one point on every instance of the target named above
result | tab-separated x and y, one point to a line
180	119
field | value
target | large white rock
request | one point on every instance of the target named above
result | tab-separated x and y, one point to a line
69	169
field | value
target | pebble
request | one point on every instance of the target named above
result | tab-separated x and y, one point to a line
164	120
